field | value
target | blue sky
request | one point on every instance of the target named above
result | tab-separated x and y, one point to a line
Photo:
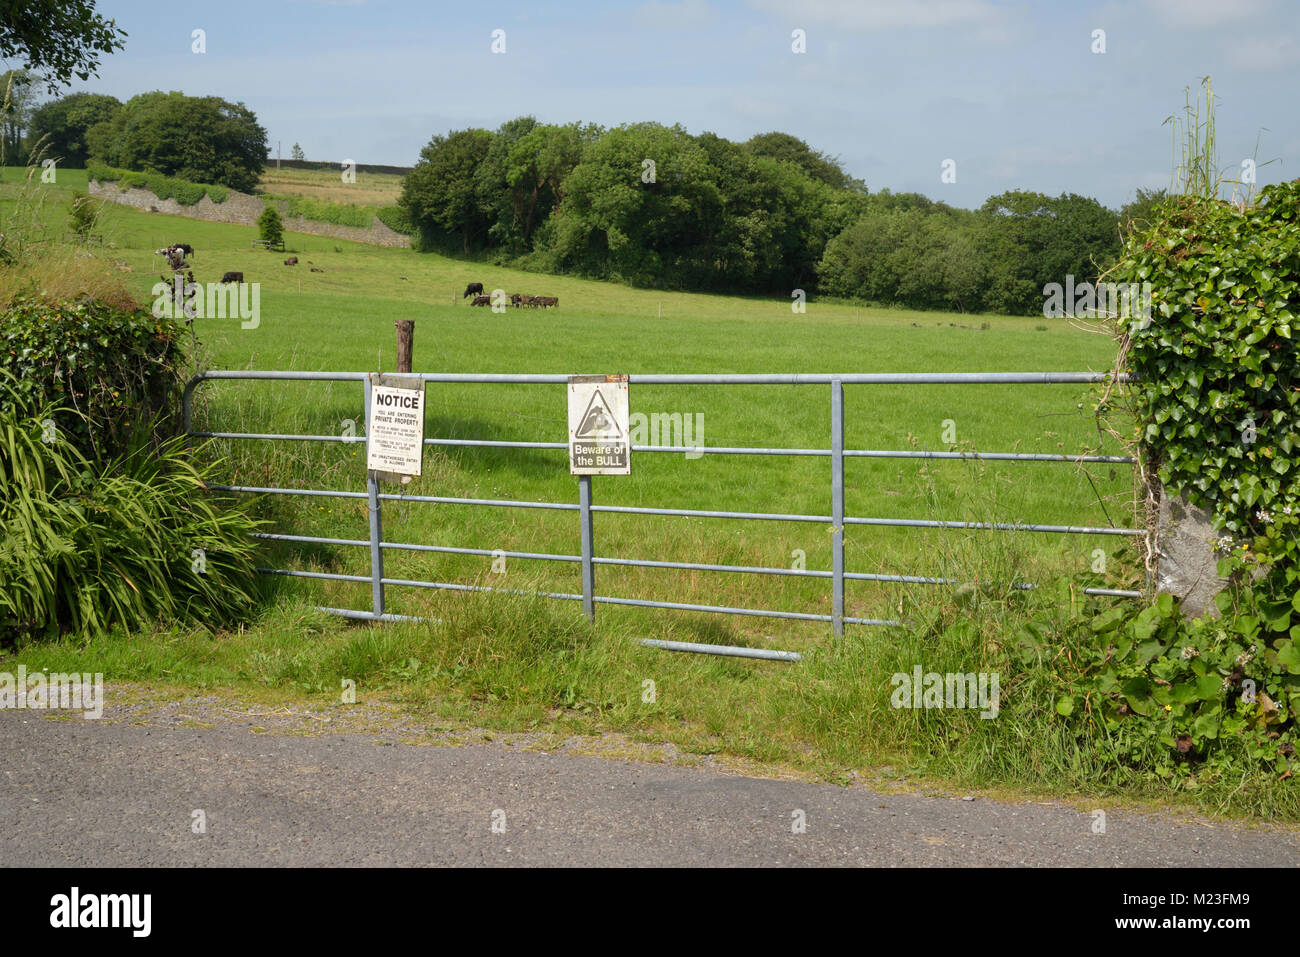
1009	90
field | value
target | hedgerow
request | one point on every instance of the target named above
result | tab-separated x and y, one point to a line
397	219
1217	412
164	187
117	367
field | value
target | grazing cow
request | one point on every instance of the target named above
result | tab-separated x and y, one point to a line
545	301
481	301
317	269
232	277
473	289
291	261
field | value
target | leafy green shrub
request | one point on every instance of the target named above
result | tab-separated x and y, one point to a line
164	187
396	219
1220	401
269	226
88	547
117	367
1191	698
83	213
187	194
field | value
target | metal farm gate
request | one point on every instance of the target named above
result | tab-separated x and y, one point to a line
586	509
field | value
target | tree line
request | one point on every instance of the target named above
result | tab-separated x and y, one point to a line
655	206
642	203
204	139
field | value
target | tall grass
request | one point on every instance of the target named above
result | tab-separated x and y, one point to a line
34	264
1195	151
89	546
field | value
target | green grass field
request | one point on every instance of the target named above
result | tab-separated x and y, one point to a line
513	662
342	319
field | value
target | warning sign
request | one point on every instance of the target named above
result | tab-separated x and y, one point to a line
395	432
599	437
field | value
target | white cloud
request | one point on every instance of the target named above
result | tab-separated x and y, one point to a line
868	15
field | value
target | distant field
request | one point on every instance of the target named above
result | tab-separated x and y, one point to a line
370	189
66	178
342	319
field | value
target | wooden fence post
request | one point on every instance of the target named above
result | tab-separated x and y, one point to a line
405	341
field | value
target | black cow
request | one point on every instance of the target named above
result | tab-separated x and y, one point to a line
473	289
233	277
186	248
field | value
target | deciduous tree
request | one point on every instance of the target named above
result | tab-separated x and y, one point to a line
58	39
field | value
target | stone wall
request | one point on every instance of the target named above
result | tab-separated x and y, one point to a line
1187	563
243	209
1187	558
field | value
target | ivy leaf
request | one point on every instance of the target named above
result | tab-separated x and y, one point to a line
1277	615
1149	649
1209	688
1137	692
1288	656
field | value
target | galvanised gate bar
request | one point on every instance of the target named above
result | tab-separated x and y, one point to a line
587	510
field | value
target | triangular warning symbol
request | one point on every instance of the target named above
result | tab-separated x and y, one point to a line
598	420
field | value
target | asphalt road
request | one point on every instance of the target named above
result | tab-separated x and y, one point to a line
76	792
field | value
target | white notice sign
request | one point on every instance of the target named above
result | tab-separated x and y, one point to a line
395	432
600	441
